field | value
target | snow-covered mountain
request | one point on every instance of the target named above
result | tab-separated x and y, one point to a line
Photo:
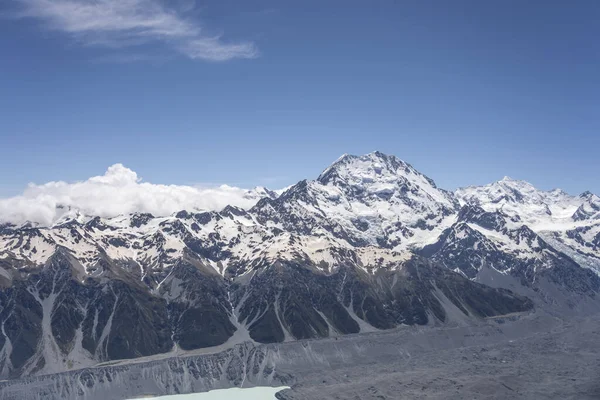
370	244
571	224
522	199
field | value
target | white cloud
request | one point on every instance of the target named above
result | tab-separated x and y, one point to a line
128	58
212	49
118	191
123	23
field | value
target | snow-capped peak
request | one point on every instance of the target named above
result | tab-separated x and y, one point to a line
380	173
374	199
589	209
521	198
364	169
71	215
585	194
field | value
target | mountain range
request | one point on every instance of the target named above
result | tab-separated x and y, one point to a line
370	244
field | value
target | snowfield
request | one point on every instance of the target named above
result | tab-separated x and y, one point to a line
370	271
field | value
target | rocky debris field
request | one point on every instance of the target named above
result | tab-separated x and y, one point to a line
521	356
557	360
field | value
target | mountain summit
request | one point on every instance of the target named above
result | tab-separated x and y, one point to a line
370	244
370	200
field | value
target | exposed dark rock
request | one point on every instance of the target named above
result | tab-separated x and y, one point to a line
140	219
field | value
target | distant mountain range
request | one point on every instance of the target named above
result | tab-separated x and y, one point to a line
370	244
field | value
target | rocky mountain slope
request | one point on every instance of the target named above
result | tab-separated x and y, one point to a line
371	244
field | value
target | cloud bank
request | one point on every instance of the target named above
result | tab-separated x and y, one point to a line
119	191
125	23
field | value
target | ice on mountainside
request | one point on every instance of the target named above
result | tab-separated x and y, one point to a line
570	222
522	199
359	202
370	244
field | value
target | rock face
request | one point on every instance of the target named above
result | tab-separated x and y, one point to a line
370	245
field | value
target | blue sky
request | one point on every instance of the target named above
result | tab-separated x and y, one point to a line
270	92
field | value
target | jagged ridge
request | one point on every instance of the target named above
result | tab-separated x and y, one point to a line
370	244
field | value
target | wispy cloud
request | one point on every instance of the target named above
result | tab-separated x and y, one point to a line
125	23
129	58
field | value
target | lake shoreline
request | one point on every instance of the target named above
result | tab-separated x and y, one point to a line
254	393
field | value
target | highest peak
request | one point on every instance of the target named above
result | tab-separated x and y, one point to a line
346	159
507	180
375	156
378	156
368	167
383	176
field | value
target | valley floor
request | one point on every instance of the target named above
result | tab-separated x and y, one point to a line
530	356
559	360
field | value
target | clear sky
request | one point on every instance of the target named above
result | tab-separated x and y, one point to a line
267	92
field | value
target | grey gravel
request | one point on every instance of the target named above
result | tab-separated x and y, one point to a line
527	356
536	357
